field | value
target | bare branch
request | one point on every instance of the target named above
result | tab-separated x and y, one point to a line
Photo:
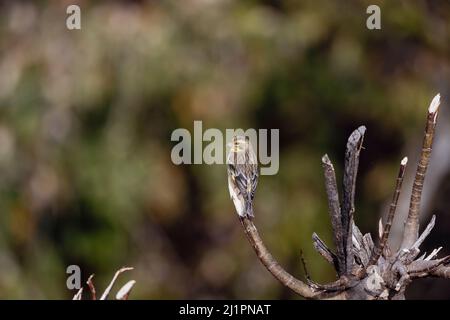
108	289
424	268
365	272
422	256
91	287
380	228
357	234
425	233
404	280
78	295
390	218
302	258
433	254
272	265
441	272
354	145
324	251
411	229
340	284
368	244
360	254
359	249
335	212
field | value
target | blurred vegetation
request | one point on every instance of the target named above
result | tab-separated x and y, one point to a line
86	118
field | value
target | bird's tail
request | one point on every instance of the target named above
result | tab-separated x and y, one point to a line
249	209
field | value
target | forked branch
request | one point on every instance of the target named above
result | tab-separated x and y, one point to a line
365	271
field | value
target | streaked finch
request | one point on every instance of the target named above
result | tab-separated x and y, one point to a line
242	175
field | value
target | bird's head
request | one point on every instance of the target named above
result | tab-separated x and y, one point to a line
238	144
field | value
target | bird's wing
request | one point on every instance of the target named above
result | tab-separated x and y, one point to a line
241	182
254	183
236	196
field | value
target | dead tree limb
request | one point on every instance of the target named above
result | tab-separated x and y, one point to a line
365	271
354	145
335	213
390	218
411	228
441	272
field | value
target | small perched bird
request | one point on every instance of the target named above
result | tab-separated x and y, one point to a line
242	175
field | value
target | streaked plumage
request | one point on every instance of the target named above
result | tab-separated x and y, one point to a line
242	175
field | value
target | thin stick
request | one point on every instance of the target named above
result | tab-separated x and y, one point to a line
91	287
433	254
411	229
302	258
390	218
272	265
334	209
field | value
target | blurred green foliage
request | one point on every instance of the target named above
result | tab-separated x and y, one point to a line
86	118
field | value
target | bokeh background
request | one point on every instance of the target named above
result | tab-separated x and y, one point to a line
86	118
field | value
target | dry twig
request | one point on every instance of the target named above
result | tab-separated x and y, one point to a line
122	294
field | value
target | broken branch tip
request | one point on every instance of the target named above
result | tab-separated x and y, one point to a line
404	161
434	105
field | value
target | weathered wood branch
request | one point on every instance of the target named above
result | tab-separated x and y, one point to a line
335	213
272	265
422	268
411	229
441	272
390	218
354	145
425	233
324	251
365	271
